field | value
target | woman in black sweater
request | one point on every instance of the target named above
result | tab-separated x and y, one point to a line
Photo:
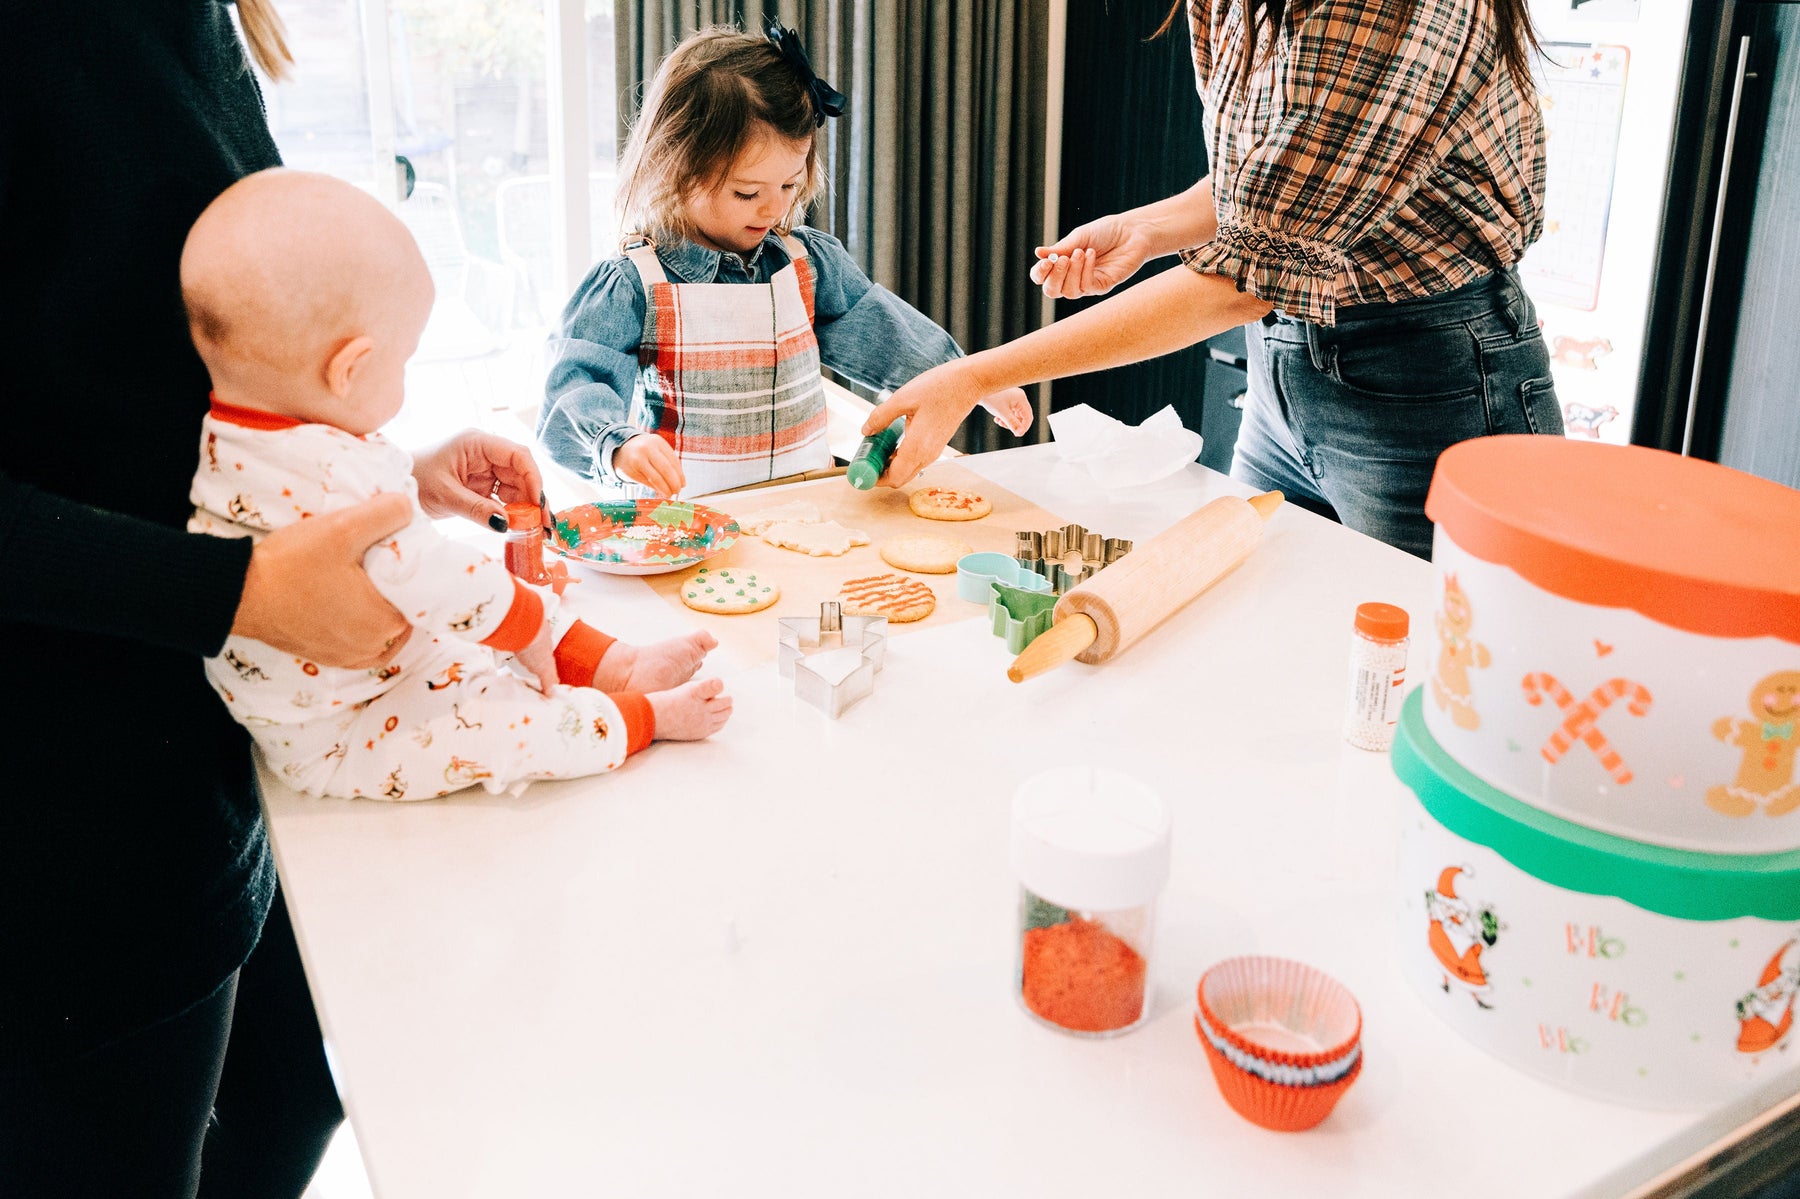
134	872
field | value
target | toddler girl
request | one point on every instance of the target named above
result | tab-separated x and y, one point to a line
691	362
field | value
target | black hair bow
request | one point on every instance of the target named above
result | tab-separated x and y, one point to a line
827	101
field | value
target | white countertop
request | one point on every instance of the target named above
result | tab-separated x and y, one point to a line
780	962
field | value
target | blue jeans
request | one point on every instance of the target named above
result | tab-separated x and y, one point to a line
1349	420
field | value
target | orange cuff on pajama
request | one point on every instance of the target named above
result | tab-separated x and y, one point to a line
640	718
523	620
579	652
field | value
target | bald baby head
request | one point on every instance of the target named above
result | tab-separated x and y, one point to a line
285	272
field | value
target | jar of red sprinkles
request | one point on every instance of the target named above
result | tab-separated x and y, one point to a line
1090	848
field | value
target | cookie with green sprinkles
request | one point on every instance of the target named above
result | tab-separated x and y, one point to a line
725	592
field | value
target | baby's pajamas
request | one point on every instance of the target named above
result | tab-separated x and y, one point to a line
444	714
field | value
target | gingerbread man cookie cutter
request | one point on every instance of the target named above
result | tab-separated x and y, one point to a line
832	680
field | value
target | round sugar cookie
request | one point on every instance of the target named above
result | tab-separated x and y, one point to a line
900	599
728	592
927	555
947	503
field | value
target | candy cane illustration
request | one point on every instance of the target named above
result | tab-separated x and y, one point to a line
1581	721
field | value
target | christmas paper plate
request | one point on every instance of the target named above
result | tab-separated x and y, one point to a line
642	537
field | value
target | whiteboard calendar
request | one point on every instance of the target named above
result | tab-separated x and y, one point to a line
1581	87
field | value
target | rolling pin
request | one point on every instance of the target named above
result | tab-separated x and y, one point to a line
1117	607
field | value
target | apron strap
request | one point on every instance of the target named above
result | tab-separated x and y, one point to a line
649	266
795	247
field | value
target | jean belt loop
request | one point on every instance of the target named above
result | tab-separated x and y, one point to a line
1319	350
1512	297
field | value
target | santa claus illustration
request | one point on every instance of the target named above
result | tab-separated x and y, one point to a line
1459	933
1766	1014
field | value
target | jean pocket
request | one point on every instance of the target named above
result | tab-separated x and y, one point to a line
1543	413
1406	366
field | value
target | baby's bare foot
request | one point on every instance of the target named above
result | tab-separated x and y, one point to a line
691	711
656	667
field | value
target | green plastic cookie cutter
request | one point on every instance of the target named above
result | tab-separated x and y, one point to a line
1019	616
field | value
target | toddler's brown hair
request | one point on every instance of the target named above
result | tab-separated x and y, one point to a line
706	102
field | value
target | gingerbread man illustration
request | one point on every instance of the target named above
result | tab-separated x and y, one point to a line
1765	775
1458	653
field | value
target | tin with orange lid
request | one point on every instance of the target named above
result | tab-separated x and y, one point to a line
1616	639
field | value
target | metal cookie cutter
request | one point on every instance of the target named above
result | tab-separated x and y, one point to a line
833	680
1047	554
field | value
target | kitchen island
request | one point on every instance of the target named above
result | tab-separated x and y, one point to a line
780	962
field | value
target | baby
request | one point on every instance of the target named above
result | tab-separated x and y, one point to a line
305	297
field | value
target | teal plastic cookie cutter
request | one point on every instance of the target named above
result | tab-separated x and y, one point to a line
1020	616
975	573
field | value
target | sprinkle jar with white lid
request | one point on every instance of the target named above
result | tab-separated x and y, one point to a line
1090	848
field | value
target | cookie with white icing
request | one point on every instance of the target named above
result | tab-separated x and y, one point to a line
728	592
800	511
828	538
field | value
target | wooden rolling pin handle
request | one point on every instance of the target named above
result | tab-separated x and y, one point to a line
1058	644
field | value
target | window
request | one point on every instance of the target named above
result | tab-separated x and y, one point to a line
462	91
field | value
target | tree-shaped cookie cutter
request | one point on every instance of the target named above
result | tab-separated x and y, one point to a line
1047	554
1019	615
835	679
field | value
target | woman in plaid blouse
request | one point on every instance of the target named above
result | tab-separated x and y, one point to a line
1377	172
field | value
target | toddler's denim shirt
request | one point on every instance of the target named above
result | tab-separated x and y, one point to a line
866	333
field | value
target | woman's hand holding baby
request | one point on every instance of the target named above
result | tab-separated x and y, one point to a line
306	593
648	459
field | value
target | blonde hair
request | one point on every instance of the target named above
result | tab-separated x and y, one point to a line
266	36
704	105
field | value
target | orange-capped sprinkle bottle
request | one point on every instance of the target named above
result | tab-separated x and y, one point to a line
1378	648
525	543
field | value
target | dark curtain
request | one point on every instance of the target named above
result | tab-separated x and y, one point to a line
1126	144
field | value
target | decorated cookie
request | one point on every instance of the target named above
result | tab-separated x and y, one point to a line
799	511
728	592
927	555
896	597
819	540
947	503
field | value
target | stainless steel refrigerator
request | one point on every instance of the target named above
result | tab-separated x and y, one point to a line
1669	271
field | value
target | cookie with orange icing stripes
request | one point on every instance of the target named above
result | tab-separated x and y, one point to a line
947	503
897	597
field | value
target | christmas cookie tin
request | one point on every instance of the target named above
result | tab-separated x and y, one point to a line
1616	639
1634	973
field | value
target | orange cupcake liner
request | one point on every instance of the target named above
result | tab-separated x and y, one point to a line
1282	992
1270	1105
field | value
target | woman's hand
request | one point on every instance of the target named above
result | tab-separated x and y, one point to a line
934	405
1091	259
306	593
476	475
648	459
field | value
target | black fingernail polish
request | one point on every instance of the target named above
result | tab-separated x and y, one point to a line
497	523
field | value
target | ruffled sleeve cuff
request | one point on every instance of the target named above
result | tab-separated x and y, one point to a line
1296	275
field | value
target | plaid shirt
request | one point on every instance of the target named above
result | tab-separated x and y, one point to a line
1377	155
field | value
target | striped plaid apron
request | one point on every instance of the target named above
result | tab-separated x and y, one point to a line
730	374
